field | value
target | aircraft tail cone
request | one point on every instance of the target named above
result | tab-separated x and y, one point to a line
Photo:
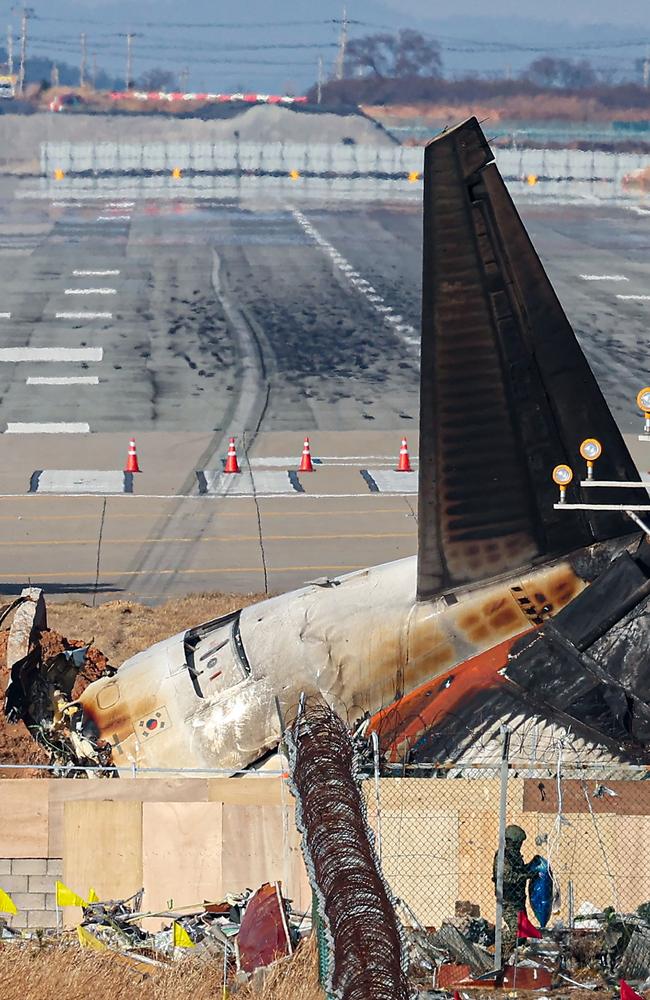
132	458
404	464
305	461
232	465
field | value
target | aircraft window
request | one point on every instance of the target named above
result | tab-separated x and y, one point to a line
216	658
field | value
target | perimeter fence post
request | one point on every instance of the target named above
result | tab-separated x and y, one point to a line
503	805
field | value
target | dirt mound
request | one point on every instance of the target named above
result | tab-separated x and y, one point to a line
117	630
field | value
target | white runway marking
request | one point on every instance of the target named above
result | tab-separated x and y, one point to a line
17	354
61	428
245	484
91	291
604	277
113	218
636	298
83	315
407	333
94	274
5	315
639	211
80	481
63	380
390	481
120	204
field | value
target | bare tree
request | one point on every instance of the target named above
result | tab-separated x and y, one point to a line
406	54
157	79
547	71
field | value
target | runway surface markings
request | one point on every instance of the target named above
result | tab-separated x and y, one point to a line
5	315
226	513
83	315
604	277
51	428
175	571
390	481
638	210
406	331
213	497
63	380
113	218
31	543
635	298
94	274
18	354
91	481
91	291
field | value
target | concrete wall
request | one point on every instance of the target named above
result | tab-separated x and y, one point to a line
318	159
186	840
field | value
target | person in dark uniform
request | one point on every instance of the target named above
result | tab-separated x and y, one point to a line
516	873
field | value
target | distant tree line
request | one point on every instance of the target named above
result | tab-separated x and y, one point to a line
406	66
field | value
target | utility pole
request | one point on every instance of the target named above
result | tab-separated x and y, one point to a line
319	84
646	68
129	35
184	79
94	71
25	14
343	44
84	57
10	50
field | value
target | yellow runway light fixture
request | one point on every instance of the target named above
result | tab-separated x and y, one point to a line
59	174
591	449
643	402
531	180
294	174
414	176
177	173
562	476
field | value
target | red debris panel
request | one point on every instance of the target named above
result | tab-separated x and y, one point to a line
264	934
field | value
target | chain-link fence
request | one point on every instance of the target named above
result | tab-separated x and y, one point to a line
439	835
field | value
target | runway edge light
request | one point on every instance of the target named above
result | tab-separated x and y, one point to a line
643	402
562	476
591	449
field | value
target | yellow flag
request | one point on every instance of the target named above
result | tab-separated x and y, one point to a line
7	904
92	896
181	937
88	940
66	897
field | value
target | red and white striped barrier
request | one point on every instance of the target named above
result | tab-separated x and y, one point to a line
142	95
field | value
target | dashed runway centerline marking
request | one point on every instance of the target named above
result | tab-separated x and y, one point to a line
47	428
91	291
405	330
83	315
604	277
5	315
94	274
635	298
63	380
18	354
113	218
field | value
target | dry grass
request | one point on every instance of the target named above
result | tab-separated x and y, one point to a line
60	972
121	628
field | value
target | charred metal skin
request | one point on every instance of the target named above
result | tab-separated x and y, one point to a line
506	394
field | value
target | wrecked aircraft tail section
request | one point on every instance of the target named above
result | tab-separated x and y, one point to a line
506	392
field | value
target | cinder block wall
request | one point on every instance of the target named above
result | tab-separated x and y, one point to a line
31	884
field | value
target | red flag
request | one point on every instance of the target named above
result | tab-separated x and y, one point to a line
527	930
627	993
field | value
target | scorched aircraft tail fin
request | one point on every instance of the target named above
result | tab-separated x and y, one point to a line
506	392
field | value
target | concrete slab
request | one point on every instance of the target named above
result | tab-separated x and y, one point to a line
389	481
248	484
80	481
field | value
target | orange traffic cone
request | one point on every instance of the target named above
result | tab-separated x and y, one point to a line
232	465
305	461
404	464
132	458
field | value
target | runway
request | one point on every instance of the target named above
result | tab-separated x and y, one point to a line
183	322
